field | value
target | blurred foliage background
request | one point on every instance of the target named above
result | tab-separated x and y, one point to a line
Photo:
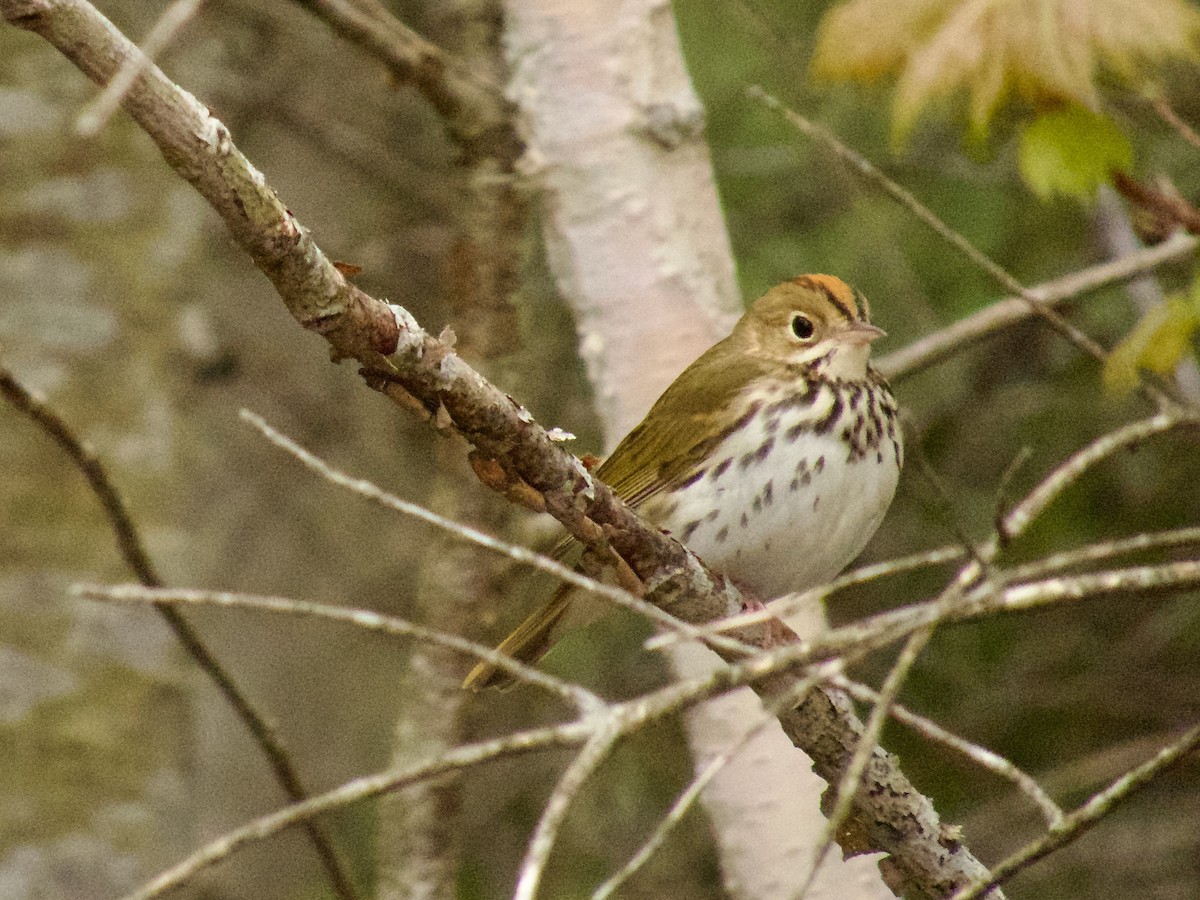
122	299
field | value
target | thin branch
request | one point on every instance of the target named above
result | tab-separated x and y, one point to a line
1171	577
940	345
476	112
682	805
129	542
1027	572
1012	526
1166	112
1078	823
1003	502
1170	208
594	752
982	600
955	239
515	552
627	716
1116	235
1104	550
133	552
763	671
550	738
96	114
579	697
691	794
851	781
1021	516
949	515
435	381
982	756
791	603
1024	513
1166	578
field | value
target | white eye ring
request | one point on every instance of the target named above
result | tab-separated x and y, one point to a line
802	326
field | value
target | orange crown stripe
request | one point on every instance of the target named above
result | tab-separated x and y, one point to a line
836	292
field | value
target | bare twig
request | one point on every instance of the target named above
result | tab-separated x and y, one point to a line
1003	501
475	111
1172	209
623	717
1029	572
687	799
1075	825
483	123
579	697
129	543
515	552
435	380
343	139
594	752
993	762
1167	113
945	506
1024	513
935	347
1103	550
909	201
983	599
553	737
979	566
1058	480
1164	578
791	603
850	782
1116	235
955	239
763	669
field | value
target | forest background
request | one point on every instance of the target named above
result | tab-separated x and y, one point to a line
125	303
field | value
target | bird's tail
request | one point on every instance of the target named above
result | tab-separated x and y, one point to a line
528	643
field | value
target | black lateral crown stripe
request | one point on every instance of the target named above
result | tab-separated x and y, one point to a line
819	284
864	308
834	299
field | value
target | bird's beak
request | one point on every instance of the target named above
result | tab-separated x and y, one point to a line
862	333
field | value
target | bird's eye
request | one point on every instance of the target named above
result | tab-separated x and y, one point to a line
802	326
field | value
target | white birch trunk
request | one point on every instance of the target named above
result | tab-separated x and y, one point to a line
638	246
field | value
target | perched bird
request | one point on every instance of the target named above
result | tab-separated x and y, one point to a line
773	456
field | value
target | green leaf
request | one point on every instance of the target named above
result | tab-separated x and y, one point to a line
1158	343
1071	151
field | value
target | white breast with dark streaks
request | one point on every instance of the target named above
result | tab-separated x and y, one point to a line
789	500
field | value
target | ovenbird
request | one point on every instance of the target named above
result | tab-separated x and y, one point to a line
774	456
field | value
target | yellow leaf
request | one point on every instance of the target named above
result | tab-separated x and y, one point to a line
1157	343
1046	51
